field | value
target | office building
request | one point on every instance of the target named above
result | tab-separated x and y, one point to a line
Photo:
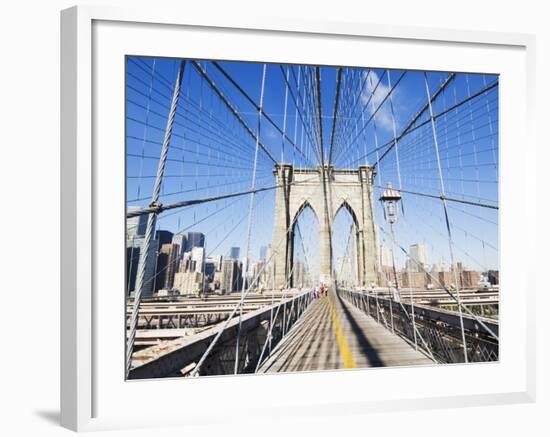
136	226
167	263
134	247
180	240
192	261
409	279
193	239
189	282
493	277
234	253
164	237
197	257
216	260
470	279
209	269
258	273
231	277
418	261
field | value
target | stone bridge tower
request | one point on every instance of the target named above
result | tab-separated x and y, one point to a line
325	191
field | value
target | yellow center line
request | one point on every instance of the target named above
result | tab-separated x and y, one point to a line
345	351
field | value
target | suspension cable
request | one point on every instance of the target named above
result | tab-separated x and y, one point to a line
236	308
335	112
144	254
249	230
232	109
444	203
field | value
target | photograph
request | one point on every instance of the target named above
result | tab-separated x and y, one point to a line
271	219
301	218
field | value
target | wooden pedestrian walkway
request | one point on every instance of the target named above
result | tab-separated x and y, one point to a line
333	334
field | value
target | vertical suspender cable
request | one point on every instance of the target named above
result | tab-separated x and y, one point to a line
408	267
296	124
444	201
143	142
249	230
151	220
335	113
283	135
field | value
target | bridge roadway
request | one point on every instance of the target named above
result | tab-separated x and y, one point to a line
333	334
180	312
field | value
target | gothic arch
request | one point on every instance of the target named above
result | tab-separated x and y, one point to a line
346	205
304	205
321	189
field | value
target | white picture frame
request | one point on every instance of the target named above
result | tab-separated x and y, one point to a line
81	374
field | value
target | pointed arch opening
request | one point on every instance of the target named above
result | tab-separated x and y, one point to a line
304	251
345	243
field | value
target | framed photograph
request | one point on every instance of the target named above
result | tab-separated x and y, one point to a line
313	217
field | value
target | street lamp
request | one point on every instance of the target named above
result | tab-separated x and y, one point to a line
390	200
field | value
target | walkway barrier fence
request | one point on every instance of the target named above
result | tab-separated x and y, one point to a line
179	357
439	330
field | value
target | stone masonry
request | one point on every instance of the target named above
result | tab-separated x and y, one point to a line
299	188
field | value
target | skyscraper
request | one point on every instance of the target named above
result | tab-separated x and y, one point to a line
169	253
231	278
216	260
197	256
133	263
162	265
180	240
234	253
263	253
164	237
417	252
193	239
209	269
136	226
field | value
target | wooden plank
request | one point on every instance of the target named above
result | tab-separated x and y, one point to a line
313	344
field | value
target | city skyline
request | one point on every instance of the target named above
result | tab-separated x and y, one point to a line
286	217
344	266
210	166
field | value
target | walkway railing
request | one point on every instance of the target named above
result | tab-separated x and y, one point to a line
179	357
440	333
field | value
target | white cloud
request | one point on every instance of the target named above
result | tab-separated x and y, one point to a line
383	117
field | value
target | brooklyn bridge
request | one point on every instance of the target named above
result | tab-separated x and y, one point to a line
285	218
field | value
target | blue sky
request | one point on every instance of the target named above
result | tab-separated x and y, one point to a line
211	153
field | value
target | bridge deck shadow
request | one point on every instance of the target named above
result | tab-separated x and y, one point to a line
312	343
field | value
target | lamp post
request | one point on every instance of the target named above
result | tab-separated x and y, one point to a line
390	200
